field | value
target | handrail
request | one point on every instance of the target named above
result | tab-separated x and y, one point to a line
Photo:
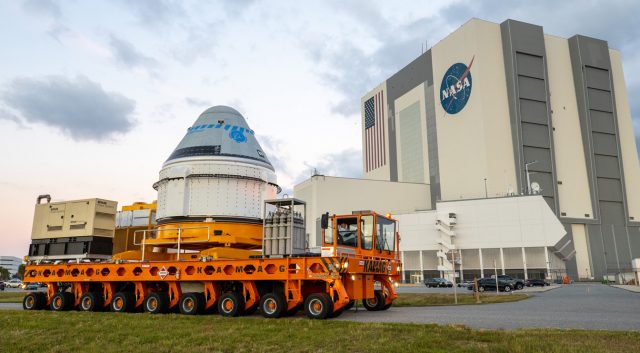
144	237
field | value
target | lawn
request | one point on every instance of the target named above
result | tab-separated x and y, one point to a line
45	331
11	297
431	299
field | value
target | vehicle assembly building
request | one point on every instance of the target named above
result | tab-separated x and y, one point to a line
508	150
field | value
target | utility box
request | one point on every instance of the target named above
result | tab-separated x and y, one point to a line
72	229
283	231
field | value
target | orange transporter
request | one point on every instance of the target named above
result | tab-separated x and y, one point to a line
359	260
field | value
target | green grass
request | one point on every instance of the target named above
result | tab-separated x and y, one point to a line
45	331
429	299
11	297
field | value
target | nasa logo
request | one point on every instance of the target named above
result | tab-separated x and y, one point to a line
455	89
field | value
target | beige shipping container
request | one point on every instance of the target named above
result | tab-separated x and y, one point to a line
78	218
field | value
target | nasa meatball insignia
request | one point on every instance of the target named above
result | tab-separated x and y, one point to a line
455	89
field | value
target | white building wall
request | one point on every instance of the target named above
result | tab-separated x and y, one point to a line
479	136
629	152
11	263
571	168
344	195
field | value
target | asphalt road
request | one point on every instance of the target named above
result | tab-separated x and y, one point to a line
578	306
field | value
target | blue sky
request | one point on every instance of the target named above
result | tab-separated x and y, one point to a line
94	95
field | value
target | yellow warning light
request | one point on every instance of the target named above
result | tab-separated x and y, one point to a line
388	215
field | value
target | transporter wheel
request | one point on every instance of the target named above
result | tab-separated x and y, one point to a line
90	301
123	302
318	306
273	305
376	303
156	303
34	301
192	303
386	306
230	304
62	301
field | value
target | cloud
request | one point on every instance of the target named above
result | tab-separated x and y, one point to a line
347	163
129	57
197	102
48	8
155	12
79	108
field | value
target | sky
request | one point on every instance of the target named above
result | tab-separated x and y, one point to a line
94	95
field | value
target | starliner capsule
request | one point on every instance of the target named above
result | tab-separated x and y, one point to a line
212	187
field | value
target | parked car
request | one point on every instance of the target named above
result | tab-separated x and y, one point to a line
30	286
465	284
1	285
14	283
489	284
517	282
437	282
537	282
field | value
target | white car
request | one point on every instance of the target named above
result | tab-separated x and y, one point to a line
14	283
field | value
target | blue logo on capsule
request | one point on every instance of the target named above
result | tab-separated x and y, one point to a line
236	133
455	89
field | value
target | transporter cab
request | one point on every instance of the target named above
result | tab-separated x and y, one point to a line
359	260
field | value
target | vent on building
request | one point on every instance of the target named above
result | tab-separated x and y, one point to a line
587	215
563	213
559	182
631	218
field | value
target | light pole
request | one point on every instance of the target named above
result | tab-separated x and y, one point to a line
526	169
455	292
486	195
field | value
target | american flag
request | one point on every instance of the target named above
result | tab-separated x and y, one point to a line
374	142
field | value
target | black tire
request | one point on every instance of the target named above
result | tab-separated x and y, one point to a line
273	305
231	304
62	301
480	288
350	305
376	303
318	306
519	286
156	303
507	289
123	302
34	301
192	303
386	306
90	301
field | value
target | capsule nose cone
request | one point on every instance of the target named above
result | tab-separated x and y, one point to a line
221	131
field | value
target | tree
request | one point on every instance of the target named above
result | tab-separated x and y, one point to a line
21	271
4	273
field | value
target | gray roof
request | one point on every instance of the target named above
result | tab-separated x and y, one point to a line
221	131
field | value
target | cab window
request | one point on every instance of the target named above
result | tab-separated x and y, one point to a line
347	232
328	234
366	225
386	234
